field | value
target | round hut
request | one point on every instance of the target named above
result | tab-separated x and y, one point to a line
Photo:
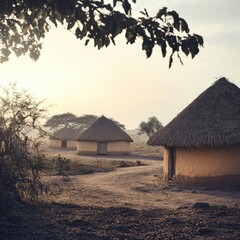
64	138
103	137
202	143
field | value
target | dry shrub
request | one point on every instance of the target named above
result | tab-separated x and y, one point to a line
20	140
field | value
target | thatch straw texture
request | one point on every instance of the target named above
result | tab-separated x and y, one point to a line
105	130
65	134
212	119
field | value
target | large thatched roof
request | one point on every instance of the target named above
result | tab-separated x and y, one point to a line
104	129
212	119
65	134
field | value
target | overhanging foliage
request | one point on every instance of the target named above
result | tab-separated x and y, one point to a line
24	24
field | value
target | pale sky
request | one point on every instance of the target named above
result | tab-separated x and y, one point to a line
119	81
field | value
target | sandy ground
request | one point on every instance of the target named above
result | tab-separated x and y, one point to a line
128	203
137	187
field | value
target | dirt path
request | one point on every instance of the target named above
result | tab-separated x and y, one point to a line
137	187
132	186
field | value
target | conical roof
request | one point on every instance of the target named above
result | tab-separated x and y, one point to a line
104	130
66	133
212	119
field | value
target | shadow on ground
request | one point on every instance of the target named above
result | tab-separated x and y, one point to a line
67	221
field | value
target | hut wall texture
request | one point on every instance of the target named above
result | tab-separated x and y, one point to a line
90	147
71	144
165	164
118	147
86	147
54	143
218	165
208	162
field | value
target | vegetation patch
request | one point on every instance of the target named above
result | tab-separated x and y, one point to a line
65	167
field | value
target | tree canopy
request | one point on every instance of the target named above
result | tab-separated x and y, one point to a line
24	24
61	120
150	127
79	123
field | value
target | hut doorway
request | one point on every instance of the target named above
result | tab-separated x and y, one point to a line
102	148
64	144
171	163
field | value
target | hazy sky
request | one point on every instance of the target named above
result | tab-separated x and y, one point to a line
119	82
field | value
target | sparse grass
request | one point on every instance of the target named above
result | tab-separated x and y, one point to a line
140	148
67	165
64	166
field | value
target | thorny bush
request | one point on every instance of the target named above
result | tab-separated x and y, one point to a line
20	142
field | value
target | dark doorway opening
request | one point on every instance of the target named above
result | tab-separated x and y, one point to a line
172	163
64	144
102	148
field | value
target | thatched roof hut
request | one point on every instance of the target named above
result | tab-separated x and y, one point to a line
204	130
103	137
212	119
64	138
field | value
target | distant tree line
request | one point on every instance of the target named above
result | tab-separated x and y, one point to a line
71	120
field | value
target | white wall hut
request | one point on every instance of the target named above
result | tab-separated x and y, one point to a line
202	143
64	138
103	137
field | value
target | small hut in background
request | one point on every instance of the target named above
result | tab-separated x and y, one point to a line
103	137
64	138
202	143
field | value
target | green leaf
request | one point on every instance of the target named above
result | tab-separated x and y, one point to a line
164	48
149	50
127	7
80	15
6	52
109	7
184	47
199	39
147	45
193	46
113	41
116	28
87	41
58	16
84	31
130	36
53	20
174	14
100	44
172	41
176	22
184	25
146	13
95	42
71	23
161	12
78	32
107	42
